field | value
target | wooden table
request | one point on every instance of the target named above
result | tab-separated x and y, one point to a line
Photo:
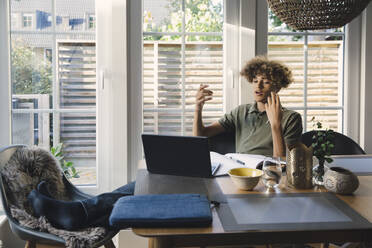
360	201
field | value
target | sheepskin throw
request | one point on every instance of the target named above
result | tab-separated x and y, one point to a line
25	169
78	239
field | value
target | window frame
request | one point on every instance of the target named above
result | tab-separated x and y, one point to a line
48	51
29	20
353	103
5	95
113	94
250	28
6	139
91	22
305	107
183	34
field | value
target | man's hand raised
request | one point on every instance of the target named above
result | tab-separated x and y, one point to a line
202	96
274	110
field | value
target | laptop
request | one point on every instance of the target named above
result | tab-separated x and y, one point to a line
178	155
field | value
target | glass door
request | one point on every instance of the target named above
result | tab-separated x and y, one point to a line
53	80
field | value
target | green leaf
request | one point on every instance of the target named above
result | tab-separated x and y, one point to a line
329	160
68	164
59	148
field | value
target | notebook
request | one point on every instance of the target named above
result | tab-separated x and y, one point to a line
234	160
178	155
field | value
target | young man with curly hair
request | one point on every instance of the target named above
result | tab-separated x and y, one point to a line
263	127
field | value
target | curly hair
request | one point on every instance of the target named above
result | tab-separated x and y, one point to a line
278	73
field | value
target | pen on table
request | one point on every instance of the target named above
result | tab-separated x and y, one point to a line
238	161
216	169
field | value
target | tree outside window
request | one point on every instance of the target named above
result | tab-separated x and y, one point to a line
200	16
30	73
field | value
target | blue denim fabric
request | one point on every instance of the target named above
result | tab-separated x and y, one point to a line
98	208
169	210
73	215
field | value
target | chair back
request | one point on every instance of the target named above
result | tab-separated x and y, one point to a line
21	231
343	144
5	154
28	234
222	143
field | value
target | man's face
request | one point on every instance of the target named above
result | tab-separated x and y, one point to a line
262	88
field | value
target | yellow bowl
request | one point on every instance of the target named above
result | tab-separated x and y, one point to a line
245	178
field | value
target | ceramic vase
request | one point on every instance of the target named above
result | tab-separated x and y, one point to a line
299	166
340	180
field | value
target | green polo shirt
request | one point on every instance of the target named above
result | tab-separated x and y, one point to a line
253	131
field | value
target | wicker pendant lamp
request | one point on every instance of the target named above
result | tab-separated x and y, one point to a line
317	14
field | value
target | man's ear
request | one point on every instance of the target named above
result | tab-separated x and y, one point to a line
275	88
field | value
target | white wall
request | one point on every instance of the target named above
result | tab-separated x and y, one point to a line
352	78
366	81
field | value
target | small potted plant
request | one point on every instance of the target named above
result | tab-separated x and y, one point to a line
323	144
68	167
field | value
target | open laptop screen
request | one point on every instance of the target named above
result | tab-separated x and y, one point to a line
177	155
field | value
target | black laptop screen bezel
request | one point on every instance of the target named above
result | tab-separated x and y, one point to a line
177	155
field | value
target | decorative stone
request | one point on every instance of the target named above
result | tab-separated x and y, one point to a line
340	180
